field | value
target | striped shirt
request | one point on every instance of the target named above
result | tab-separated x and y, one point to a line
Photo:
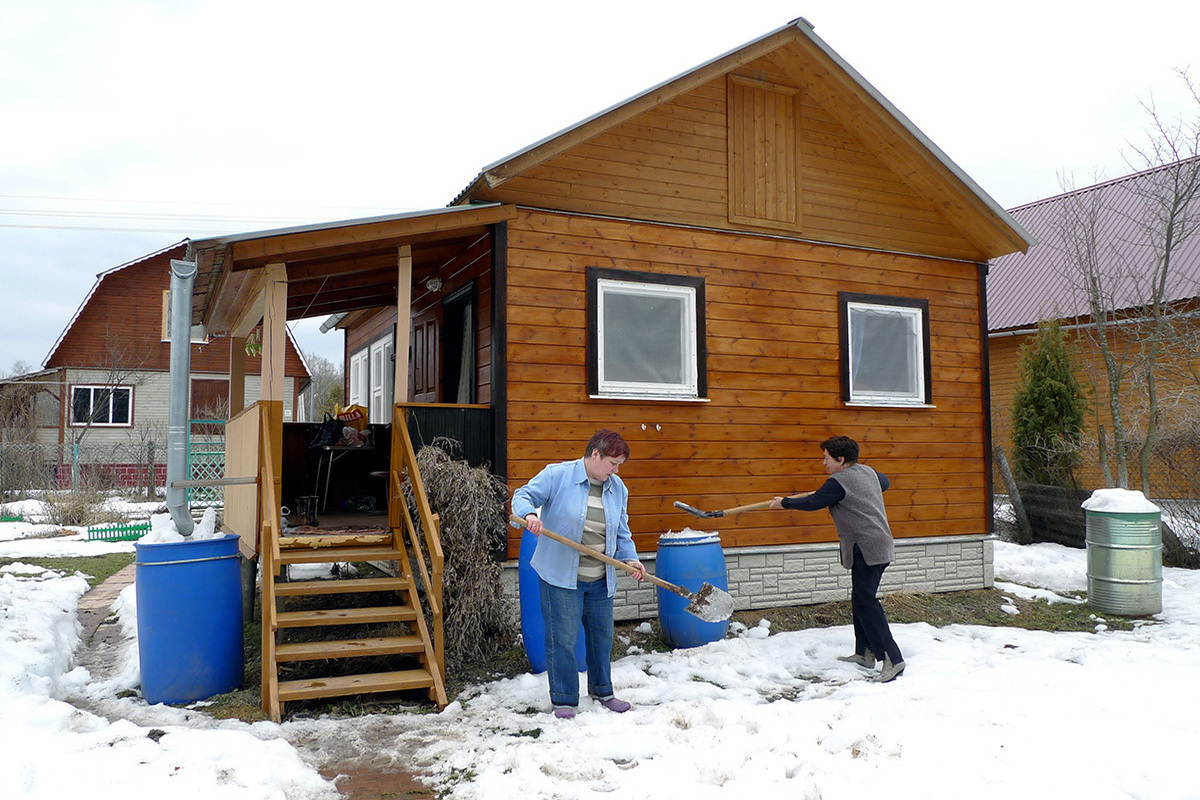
594	533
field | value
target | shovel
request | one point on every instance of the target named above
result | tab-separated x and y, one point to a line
709	604
729	512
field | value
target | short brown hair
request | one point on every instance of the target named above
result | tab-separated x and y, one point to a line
608	443
841	447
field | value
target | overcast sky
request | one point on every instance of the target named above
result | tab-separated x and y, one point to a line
128	126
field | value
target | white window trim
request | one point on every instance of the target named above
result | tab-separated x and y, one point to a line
918	313
93	387
688	388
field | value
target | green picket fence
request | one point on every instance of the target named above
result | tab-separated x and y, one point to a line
122	532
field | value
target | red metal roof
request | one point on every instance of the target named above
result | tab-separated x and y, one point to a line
1024	288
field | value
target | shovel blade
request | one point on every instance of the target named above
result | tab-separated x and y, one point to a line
711	604
697	512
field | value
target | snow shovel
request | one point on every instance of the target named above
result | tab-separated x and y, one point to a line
729	512
709	604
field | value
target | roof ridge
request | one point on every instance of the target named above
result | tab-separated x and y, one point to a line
1104	184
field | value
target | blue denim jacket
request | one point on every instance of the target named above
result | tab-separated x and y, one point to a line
561	491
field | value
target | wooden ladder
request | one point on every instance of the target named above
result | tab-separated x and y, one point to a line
311	637
314	634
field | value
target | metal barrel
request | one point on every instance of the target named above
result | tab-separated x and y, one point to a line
1124	563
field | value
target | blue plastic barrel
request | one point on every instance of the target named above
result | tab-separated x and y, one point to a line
189	618
690	562
533	626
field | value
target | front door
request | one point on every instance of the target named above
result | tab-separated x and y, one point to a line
426	369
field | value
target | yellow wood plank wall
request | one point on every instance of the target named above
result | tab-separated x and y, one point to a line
671	164
773	378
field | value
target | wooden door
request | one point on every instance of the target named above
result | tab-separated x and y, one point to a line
426	350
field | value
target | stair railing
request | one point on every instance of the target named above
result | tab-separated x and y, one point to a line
424	542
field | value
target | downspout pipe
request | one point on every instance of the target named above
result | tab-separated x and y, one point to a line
183	277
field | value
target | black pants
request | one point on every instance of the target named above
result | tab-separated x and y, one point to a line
871	631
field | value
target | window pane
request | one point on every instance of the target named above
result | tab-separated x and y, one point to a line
101	405
643	340
81	405
120	407
885	346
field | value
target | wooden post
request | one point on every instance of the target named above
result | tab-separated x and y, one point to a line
274	331
237	375
403	323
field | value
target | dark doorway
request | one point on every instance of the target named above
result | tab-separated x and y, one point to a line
458	346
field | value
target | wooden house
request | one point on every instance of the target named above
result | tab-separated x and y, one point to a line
727	268
104	384
1116	222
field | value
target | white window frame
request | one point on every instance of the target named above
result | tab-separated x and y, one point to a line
93	389
916	314
359	371
689	292
381	384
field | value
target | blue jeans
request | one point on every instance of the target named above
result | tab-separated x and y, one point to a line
562	611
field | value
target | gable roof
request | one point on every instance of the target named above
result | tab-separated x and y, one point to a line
1025	288
181	246
880	124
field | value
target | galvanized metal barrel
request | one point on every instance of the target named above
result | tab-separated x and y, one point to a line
1124	562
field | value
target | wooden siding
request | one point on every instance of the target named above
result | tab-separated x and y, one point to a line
670	164
773	378
763	141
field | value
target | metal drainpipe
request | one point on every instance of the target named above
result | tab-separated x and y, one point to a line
183	276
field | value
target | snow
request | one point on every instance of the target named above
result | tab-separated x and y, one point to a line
980	712
1120	501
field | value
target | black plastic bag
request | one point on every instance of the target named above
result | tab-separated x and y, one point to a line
325	434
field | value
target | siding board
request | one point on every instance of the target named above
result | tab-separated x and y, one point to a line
773	377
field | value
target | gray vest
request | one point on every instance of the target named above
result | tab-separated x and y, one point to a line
860	517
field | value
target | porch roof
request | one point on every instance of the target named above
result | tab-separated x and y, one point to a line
333	267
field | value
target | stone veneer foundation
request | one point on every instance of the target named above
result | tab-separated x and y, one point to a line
797	575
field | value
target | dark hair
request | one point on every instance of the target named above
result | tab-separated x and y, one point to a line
608	443
841	447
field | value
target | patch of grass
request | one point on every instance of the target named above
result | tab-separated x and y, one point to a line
97	569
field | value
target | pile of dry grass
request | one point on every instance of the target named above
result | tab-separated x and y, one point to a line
472	505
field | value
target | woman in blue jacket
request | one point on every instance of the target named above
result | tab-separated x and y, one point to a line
585	501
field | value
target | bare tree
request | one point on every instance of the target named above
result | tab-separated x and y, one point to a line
1120	254
97	403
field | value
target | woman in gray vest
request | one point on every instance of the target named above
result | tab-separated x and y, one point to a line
854	496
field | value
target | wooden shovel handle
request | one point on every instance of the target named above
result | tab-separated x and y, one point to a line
759	506
607	559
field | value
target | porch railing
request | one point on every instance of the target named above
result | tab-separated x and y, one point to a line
423	543
471	425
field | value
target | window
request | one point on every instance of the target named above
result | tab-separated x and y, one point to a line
102	405
198	336
645	335
885	350
359	393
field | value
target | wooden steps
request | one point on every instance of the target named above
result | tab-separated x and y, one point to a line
346	616
341	586
399	681
344	648
326	555
322	626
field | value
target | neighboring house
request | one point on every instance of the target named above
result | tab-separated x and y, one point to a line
727	268
1043	285
105	386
